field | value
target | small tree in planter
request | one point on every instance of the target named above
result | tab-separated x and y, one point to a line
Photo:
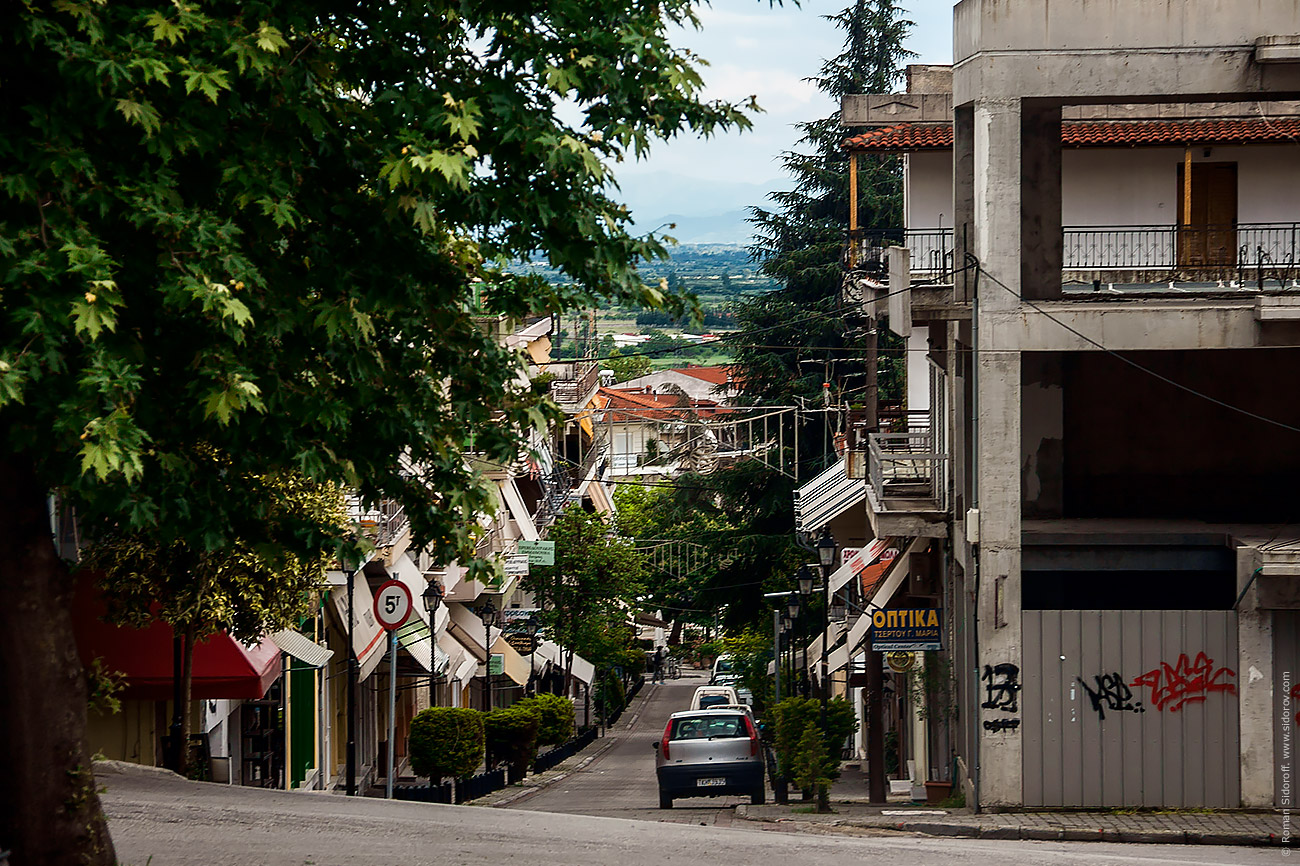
794	718
557	718
511	736
446	741
810	766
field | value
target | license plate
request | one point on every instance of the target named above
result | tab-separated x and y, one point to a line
710	783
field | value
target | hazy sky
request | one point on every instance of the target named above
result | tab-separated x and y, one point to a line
755	49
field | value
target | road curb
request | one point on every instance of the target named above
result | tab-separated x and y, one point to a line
1016	833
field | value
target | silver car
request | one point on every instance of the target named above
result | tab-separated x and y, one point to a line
708	753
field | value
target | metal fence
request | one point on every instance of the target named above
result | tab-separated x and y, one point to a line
576	384
553	757
905	465
1241	253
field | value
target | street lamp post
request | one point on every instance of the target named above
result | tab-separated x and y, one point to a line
351	755
805	578
433	595
825	558
488	613
792	616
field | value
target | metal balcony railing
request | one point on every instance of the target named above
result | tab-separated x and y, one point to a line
1241	253
905	466
576	383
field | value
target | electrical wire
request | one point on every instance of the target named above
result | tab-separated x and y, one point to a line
1135	365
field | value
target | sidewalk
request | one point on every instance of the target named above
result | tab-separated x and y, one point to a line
851	813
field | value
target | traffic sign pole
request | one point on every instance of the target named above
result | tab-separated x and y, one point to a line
393	605
392	707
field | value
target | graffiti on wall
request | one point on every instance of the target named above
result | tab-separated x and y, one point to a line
1186	682
1002	685
1110	692
1002	690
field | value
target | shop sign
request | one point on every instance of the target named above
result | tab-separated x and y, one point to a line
906	630
516	565
538	552
496	664
523	644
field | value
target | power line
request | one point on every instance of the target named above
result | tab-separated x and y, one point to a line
1135	365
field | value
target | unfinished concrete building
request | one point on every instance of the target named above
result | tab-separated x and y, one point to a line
1112	321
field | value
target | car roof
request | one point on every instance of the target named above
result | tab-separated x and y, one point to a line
711	711
720	688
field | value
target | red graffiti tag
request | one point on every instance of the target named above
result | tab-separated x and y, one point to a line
1185	682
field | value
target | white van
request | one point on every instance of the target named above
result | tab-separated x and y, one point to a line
708	697
724	671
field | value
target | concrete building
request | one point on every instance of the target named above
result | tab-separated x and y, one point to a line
1107	480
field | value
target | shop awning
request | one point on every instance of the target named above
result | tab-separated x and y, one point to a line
893	574
415	635
368	644
514	665
460	663
827	496
833	632
223	668
856	560
467	628
556	655
303	648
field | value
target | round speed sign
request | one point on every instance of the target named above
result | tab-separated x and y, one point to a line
392	604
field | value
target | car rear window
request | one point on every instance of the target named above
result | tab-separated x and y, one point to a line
722	666
703	727
707	701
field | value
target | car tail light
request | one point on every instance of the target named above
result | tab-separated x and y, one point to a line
753	737
663	746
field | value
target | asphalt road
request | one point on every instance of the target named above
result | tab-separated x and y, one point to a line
159	820
621	782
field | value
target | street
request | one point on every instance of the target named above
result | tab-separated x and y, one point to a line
159	819
621	782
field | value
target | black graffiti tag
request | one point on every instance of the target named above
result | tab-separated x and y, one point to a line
1111	693
1002	724
1002	683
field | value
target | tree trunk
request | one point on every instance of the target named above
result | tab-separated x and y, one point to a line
49	811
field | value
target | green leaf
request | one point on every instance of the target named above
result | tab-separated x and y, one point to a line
165	29
270	39
142	114
210	83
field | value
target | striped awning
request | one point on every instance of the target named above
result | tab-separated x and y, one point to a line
826	497
303	648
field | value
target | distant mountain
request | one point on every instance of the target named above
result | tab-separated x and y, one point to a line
659	197
729	228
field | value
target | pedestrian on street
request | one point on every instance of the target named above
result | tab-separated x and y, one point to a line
659	665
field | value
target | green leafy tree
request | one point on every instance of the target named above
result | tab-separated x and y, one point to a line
446	741
627	367
264	228
751	651
585	596
796	720
242	589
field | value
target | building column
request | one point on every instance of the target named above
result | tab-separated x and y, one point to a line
1256	704
998	226
963	200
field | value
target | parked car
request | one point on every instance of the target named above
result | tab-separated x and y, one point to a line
709	753
724	671
713	696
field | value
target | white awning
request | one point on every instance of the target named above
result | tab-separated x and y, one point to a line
833	632
467	628
513	664
514	500
826	497
884	593
368	642
856	559
557	655
301	647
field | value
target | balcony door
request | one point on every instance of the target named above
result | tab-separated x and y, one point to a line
1209	238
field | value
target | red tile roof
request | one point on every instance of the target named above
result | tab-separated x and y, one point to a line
712	375
1097	133
661	405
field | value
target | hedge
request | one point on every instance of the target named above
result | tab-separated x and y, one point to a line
511	735
557	717
446	741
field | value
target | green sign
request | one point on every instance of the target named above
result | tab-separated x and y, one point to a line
496	664
538	552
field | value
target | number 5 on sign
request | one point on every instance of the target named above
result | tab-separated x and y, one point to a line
392	604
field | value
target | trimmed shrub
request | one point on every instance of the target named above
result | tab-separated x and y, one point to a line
557	718
511	735
793	715
446	741
809	764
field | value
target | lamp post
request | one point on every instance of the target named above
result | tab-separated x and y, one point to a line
826	558
351	756
532	627
433	595
805	578
488	613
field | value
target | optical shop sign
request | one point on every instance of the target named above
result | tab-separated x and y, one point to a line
906	630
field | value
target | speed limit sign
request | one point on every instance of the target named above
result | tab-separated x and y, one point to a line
392	604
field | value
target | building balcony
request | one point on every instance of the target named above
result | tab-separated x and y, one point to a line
1246	256
574	384
906	474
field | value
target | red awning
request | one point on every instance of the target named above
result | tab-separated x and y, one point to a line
223	667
